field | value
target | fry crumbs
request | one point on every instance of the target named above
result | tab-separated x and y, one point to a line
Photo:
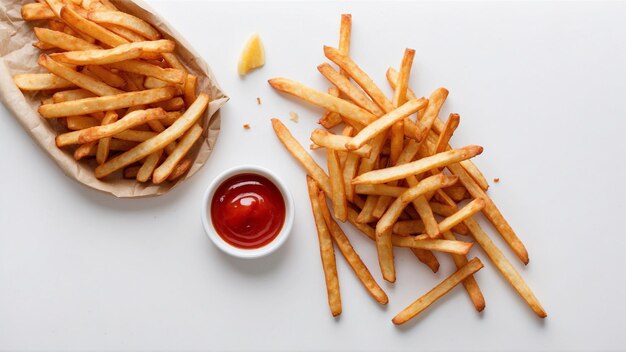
246	126
293	117
496	180
258	100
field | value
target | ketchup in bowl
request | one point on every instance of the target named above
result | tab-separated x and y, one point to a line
248	211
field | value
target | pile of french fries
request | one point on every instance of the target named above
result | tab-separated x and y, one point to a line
116	87
392	176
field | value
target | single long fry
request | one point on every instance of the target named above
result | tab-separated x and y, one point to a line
399	98
448	131
350	168
181	168
332	141
338	193
327	250
352	257
467	211
143	68
384	122
72	94
470	284
384	248
348	89
359	76
62	40
135	135
418	166
345	31
81	122
435	102
128	35
173	61
40	81
324	100
331	119
36	11
167	167
427	185
107	103
173	104
80	24
300	154
423	242
473	171
380	189
177	129
94	133
189	90
408	227
102	152
439	291
91	84
148	166
99	56
426	257
125	20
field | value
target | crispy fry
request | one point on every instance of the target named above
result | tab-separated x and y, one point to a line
102	152
327	251
173	104
352	257
182	148
151	82
148	166
327	101
125	20
457	193
359	76
435	102
128	35
40	81
81	122
331	119
380	125
350	168
80	24
88	83
143	68
173	61
399	98
427	185
380	189
62	40
332	141
448	131
439	291
300	154
338	193
83	150
181	168
346	87
135	118
107	103
423	242
345	31
131	172
36	11
177	129
473	171
418	166
99	56
135	135
408	227
384	248
189	90
365	216
427	257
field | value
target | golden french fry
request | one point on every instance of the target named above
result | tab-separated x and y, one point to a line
448	131
106	76
181	168
467	211
383	123
143	68
360	77
173	61
418	166
470	284
73	94
435	102
36	11
299	153
62	40
40	81
135	118
131	172
107	103
473	171
428	258
427	185
83	150
439	291
125	20
327	250
80	24
88	83
408	227
98	56
324	100
135	135
128	35
338	193
331	119
332	141
102	152
379	189
177	129
423	242
365	216
399	98
384	248
182	148
346	87
345	31
173	104
352	257
189	90
148	166
151	82
43	46
350	168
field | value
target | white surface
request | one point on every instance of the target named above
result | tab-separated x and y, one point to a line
540	86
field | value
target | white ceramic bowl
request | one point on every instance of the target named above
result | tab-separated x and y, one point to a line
226	247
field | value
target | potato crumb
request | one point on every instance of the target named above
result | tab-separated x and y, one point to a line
258	100
246	126
496	180
293	117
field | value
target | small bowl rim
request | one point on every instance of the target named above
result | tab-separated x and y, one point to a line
226	247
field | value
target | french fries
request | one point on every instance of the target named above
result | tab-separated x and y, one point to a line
116	86
396	179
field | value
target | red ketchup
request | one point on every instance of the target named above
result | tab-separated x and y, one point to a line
248	211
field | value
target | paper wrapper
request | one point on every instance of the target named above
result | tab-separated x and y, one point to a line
17	55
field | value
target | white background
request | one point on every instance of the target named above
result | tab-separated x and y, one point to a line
542	86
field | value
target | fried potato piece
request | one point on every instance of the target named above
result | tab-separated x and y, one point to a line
63	40
143	68
80	24
79	79
40	81
332	141
125	20
182	148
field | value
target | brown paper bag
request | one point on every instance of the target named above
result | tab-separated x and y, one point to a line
17	55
